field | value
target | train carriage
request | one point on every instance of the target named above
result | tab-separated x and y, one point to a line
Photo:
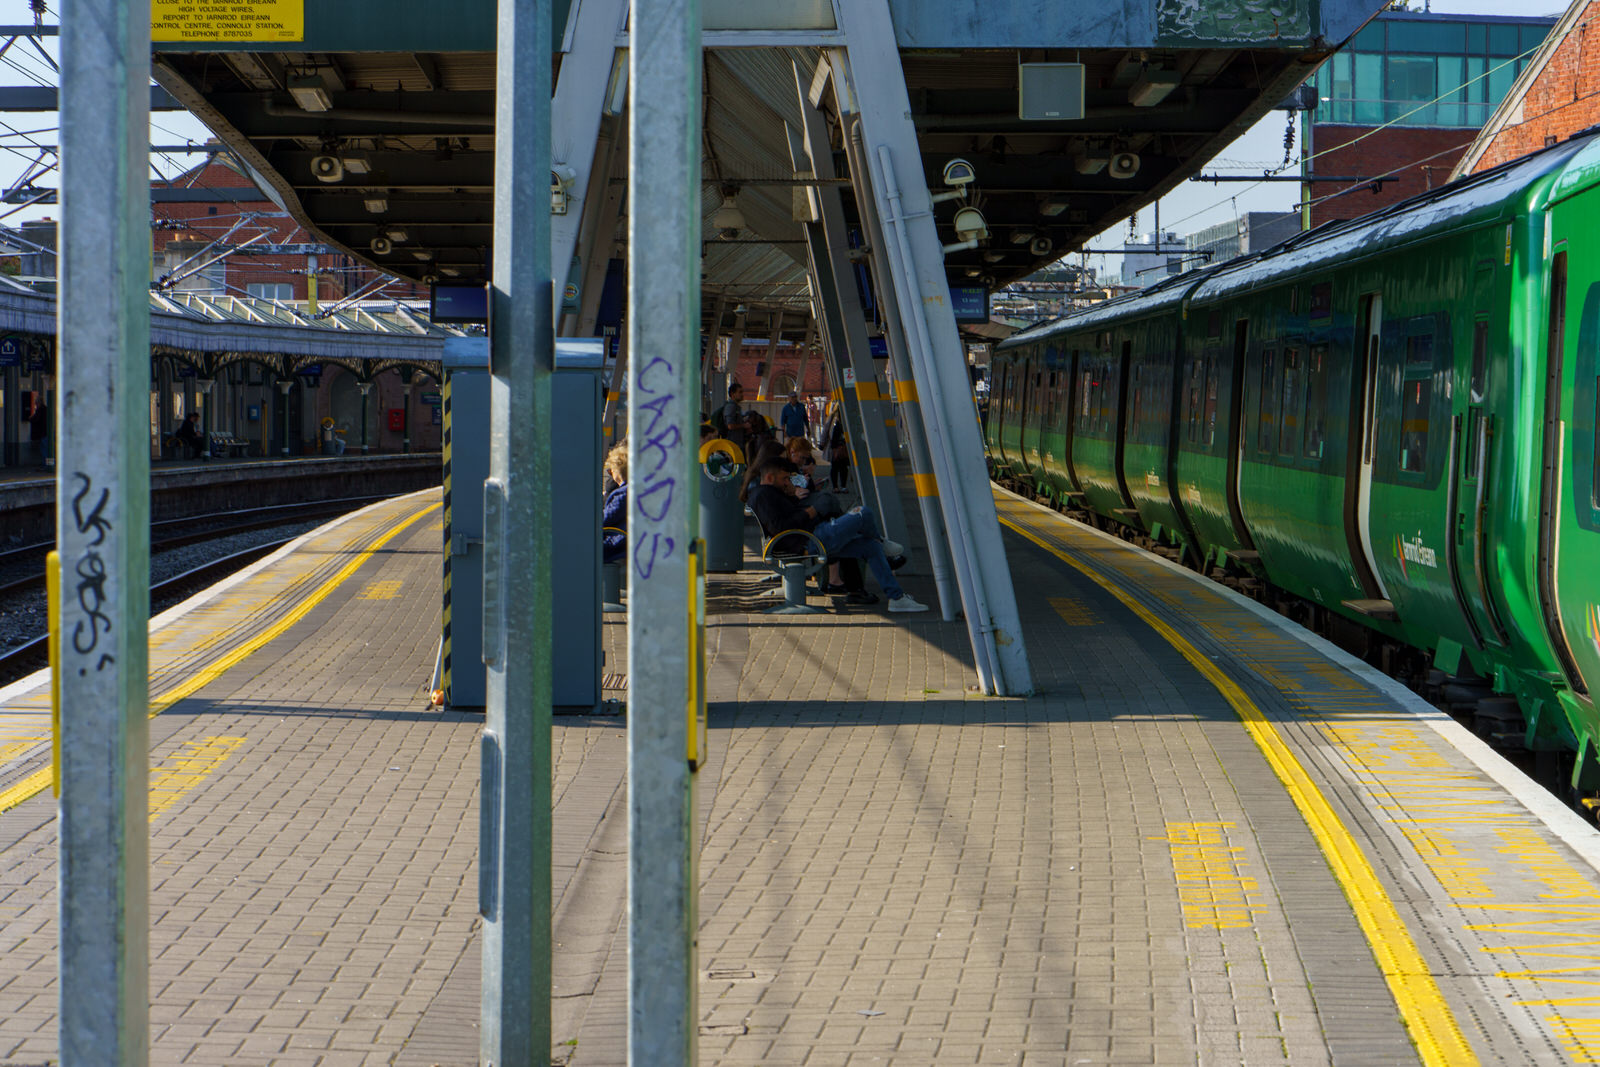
1393	418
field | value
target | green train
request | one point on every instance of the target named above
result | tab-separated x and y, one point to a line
1392	420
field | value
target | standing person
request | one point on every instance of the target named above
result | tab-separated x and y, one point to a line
39	429
838	454
190	437
731	415
793	418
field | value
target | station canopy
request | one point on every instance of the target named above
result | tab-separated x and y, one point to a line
377	133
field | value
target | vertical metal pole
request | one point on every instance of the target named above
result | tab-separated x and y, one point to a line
709	357
514	827
730	370
905	385
944	387
103	531
775	332
663	515
619	377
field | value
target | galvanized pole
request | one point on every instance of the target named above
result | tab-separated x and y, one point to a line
514	822
103	531
905	384
663	516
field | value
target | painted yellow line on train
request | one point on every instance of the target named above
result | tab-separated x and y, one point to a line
36	783
1421	1003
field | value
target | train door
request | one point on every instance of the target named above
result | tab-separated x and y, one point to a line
1472	429
1069	418
1125	419
1236	442
1567	592
1372	332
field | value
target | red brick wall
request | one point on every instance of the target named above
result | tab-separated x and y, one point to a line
1421	158
338	274
751	358
1563	99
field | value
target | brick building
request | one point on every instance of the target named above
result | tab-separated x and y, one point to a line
1405	99
1556	95
181	229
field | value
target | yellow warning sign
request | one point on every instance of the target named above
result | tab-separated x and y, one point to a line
227	20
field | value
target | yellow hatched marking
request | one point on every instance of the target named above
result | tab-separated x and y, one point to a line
187	768
1212	891
32	785
1074	612
12	749
384	590
1422	1005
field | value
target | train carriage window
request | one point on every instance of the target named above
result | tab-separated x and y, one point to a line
1316	401
1210	419
1321	301
1288	413
1266	432
1195	399
1478	386
1414	404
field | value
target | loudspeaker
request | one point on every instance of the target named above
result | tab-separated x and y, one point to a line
381	246
1049	92
1124	165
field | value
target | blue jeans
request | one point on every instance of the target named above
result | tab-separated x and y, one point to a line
855	535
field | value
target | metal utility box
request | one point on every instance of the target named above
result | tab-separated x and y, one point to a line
575	455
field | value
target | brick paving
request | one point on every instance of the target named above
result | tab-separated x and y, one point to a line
894	868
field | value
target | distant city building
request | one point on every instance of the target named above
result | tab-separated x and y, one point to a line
1251	232
1149	260
1556	95
1404	100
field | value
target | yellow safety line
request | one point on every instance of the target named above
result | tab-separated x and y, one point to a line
37	782
1423	1007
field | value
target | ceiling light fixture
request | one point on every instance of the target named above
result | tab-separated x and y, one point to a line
376	204
728	216
309	92
1154	85
356	163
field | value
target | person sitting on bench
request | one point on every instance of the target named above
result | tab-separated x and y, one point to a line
854	535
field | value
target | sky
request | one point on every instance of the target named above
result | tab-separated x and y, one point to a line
1191	207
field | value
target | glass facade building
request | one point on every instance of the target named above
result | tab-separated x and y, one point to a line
1416	69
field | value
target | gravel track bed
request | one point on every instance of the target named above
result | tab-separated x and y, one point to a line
22	617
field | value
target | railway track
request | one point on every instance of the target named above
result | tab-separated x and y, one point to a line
28	585
175	533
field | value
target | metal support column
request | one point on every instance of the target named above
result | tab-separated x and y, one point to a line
708	358
905	385
664	624
578	147
805	359
857	351
514	816
764	384
944	386
103	533
730	368
618	378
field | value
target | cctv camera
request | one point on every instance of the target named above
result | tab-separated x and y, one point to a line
959	172
381	246
1124	165
327	168
970	224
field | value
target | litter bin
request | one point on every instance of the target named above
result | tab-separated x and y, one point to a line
721	511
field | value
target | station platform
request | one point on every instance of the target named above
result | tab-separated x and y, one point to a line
1208	838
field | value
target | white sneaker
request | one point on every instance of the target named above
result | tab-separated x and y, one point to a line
906	603
893	549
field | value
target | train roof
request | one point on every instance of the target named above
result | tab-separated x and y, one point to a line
1475	198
